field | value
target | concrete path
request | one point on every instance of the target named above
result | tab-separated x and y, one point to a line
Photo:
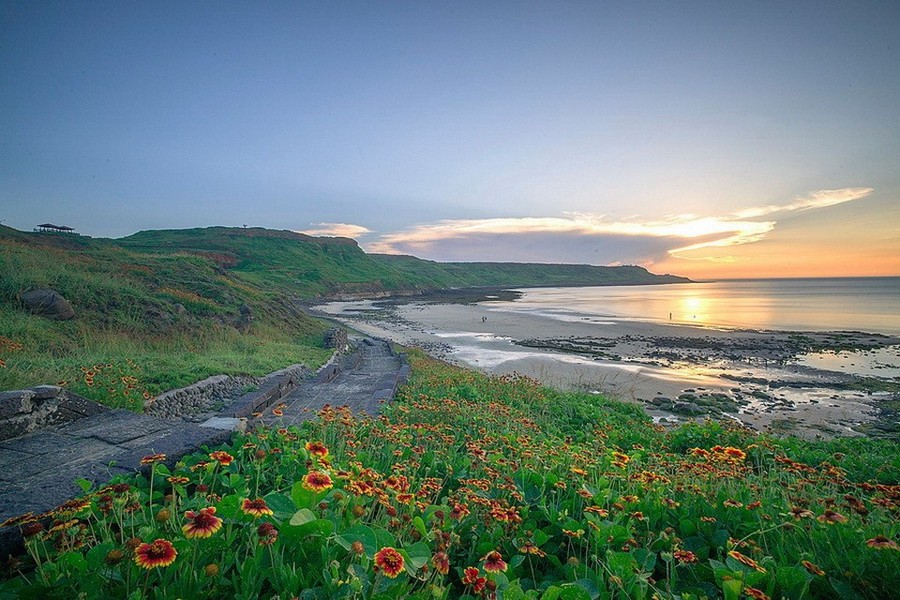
363	381
38	470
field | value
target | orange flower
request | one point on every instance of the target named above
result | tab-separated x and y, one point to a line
735	453
389	561
831	517
732	503
746	560
812	568
317	449
201	524
801	513
441	563
277	412
459	511
257	508
316	481
602	512
530	548
685	556
756	594
222	457
153	458
177	480
493	562
161	553
879	542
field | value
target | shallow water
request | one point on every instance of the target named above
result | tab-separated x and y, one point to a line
869	304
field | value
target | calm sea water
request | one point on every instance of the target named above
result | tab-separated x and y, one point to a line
870	304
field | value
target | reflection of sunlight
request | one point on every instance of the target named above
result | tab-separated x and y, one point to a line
694	309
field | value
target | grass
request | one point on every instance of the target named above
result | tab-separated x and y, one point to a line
471	487
160	309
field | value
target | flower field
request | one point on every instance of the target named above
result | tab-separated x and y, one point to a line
477	487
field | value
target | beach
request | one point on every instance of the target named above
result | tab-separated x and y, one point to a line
810	383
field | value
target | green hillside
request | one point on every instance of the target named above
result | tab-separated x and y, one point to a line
144	322
163	307
314	266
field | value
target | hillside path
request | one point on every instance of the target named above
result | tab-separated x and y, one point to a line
38	470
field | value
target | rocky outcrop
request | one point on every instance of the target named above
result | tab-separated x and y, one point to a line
48	303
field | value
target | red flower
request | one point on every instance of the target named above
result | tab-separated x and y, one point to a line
257	507
470	574
756	594
161	553
493	562
317	481
389	561
879	542
222	457
267	534
831	517
441	563
470	577
812	568
685	556
201	524
317	449
153	458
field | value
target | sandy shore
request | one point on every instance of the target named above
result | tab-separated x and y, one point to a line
676	371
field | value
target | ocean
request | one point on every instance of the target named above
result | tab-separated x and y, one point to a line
870	304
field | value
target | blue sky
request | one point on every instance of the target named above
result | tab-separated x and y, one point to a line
599	132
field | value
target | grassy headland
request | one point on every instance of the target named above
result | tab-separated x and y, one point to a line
159	309
470	486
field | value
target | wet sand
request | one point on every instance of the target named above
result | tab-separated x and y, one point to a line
676	371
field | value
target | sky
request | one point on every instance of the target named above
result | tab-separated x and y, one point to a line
707	139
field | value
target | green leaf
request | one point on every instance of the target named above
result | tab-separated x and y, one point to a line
318	528
282	506
573	591
72	561
844	589
228	507
688	527
793	580
732	589
305	498
362	534
419	524
97	555
84	484
302	516
419	555
621	563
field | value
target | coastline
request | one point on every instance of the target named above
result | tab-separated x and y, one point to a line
677	371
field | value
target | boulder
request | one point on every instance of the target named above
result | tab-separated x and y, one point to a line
48	303
244	319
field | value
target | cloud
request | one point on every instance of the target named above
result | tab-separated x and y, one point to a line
337	230
819	199
582	237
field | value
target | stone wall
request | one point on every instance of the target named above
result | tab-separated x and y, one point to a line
24	411
336	338
210	395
